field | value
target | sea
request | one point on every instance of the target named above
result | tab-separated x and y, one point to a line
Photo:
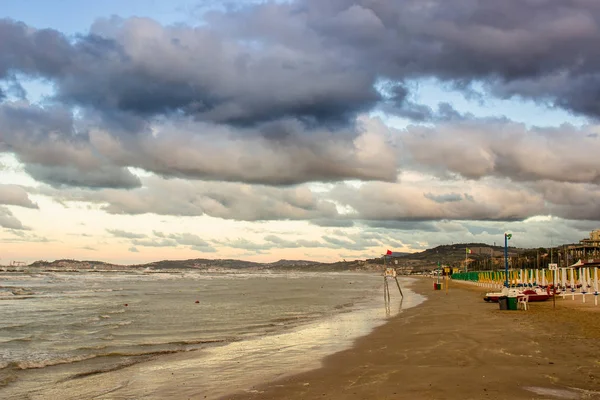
178	334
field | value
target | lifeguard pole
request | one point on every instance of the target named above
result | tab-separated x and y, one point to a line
507	237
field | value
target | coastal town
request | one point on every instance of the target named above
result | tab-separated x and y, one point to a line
460	257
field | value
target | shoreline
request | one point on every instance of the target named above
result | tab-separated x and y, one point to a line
456	346
187	374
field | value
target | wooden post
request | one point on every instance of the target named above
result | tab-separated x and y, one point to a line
390	273
447	279
596	286
398	284
386	290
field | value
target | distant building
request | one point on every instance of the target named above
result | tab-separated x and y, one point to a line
448	270
587	248
594	239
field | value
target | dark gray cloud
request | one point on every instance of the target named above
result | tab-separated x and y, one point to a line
378	201
64	151
100	177
414	206
54	149
339	222
576	201
544	50
406	206
278	242
12	88
221	200
409	226
245	244
154	242
444	198
348	243
193	241
160	239
140	67
269	93
478	230
127	235
278	153
336	240
15	195
314	60
186	239
9	221
475	148
25	236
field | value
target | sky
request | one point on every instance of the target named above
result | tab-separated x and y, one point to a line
138	131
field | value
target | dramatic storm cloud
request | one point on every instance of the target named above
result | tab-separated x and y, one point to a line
476	148
285	81
279	153
308	124
314	59
142	67
48	141
544	50
222	200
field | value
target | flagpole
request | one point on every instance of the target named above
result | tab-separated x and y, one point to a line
466	252
507	236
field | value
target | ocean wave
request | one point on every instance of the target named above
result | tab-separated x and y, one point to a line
72	359
292	318
138	358
15	327
186	342
9	298
108	324
289	307
343	306
19	339
16	291
103	370
92	348
122	353
38	364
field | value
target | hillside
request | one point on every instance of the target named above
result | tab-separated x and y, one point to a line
482	256
196	264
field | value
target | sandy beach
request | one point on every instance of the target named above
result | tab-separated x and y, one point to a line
455	346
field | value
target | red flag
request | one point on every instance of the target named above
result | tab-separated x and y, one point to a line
389	253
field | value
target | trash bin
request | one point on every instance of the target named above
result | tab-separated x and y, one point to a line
513	303
503	302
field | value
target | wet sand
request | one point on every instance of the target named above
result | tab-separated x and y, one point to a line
456	346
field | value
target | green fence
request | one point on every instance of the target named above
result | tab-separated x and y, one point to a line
466	276
477	276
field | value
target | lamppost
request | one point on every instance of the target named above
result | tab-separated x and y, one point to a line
507	237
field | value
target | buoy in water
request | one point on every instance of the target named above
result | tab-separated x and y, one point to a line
126	304
197	301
